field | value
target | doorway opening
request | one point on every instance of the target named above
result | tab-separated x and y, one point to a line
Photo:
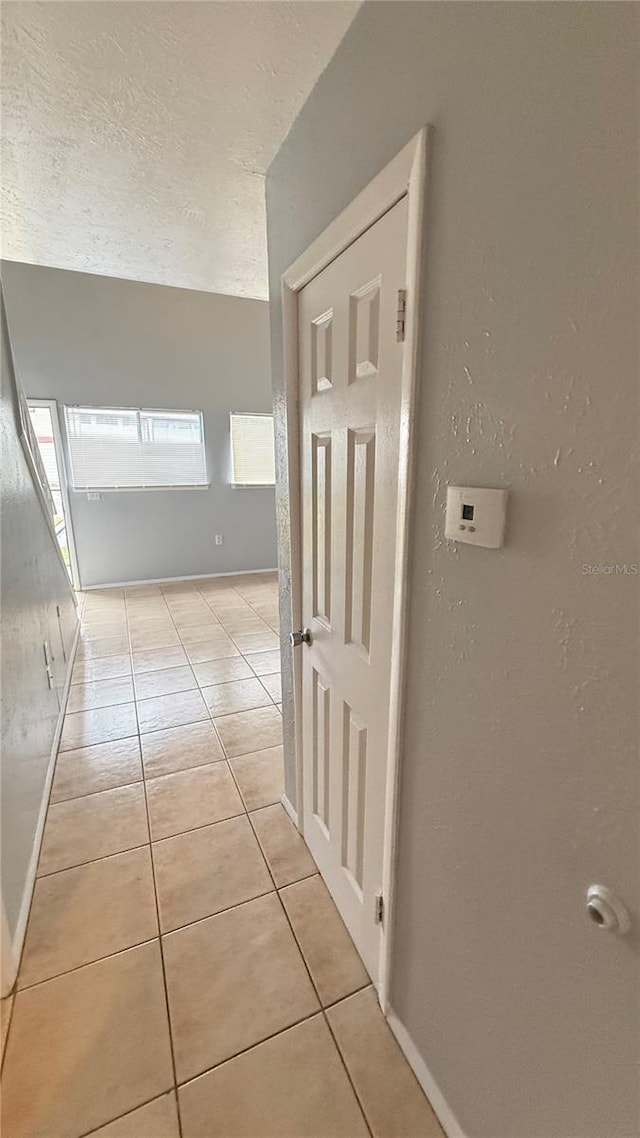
44	420
351	341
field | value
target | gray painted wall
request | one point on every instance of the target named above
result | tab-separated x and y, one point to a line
79	338
34	586
519	768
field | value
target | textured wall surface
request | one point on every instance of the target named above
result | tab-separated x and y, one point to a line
89	339
520	753
37	605
135	137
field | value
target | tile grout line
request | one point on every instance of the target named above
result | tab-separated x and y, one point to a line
149	844
101	742
157	908
197	687
75	798
321	1009
138	736
89	963
178	928
210	717
166	837
311	979
196	591
160	932
257	614
137	781
184	646
156	1098
251	1047
141	845
313	984
93	860
344	1062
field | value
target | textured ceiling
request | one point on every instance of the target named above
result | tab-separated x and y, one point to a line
136	135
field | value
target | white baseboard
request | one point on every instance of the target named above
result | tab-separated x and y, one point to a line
171	580
30	879
441	1108
293	814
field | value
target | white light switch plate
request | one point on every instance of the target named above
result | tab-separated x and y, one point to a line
476	515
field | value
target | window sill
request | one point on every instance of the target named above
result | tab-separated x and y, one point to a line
134	489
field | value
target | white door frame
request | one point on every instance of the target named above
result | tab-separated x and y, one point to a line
64	486
404	175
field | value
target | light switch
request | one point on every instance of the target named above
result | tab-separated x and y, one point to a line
476	515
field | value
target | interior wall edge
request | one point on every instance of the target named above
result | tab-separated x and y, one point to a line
17	941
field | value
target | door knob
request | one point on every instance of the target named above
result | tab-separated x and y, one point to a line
607	911
301	637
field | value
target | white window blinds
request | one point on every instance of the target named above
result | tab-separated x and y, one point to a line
117	448
252	453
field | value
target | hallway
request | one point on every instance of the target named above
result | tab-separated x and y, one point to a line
180	936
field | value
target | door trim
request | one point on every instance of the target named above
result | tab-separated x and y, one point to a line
61	458
404	176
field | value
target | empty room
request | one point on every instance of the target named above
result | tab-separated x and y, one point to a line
319	569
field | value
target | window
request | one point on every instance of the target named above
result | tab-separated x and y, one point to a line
42	424
119	448
252	453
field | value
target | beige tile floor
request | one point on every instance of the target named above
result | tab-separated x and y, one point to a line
185	972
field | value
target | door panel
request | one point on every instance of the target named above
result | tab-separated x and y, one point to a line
321	491
350	392
321	748
359	538
354	782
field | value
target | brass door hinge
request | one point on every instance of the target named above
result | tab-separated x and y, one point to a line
401	314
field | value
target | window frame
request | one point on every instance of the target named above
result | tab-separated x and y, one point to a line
111	489
249	485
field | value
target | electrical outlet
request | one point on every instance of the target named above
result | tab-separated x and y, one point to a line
219	539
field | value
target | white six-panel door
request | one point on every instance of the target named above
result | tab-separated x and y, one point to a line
350	374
